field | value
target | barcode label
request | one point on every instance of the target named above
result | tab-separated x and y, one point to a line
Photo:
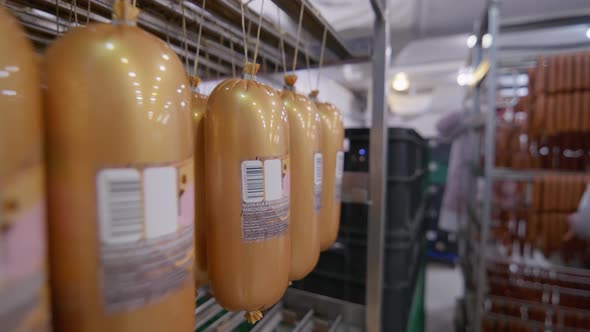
339	164
252	181
317	168
120	209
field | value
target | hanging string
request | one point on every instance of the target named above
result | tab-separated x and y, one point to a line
70	15
221	40
88	12
308	63
322	50
172	6
277	63
233	63
258	33
298	35
185	41
57	17
76	12
195	67
281	41
244	31
207	71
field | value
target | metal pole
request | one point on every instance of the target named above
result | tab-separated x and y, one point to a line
468	242
490	136
378	173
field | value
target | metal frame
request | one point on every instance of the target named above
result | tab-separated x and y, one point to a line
377	170
222	40
476	256
490	136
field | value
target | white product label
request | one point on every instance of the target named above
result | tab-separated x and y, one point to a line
318	168
146	232
121	212
339	175
160	201
265	198
273	179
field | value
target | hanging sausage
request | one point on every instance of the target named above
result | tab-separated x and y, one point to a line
306	176
24	295
247	194
331	147
120	180
199	106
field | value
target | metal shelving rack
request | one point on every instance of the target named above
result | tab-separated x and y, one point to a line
476	231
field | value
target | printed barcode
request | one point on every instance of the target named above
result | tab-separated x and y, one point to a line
120	205
317	168
252	181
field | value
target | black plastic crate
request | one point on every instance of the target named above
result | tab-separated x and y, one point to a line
406	151
397	300
406	154
354	217
400	261
356	159
403	199
348	257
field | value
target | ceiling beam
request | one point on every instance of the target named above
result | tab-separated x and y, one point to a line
230	11
315	25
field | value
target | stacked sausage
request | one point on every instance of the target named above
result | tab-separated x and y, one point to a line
559	88
523	296
555	197
550	128
540	221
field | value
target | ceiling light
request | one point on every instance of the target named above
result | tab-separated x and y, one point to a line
486	41
588	33
471	41
400	82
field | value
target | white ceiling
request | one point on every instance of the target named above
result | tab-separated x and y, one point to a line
428	40
432	17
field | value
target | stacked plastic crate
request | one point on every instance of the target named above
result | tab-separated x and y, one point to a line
341	270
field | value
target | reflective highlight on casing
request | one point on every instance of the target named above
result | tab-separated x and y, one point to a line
199	106
245	120
331	141
303	144
24	295
109	104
